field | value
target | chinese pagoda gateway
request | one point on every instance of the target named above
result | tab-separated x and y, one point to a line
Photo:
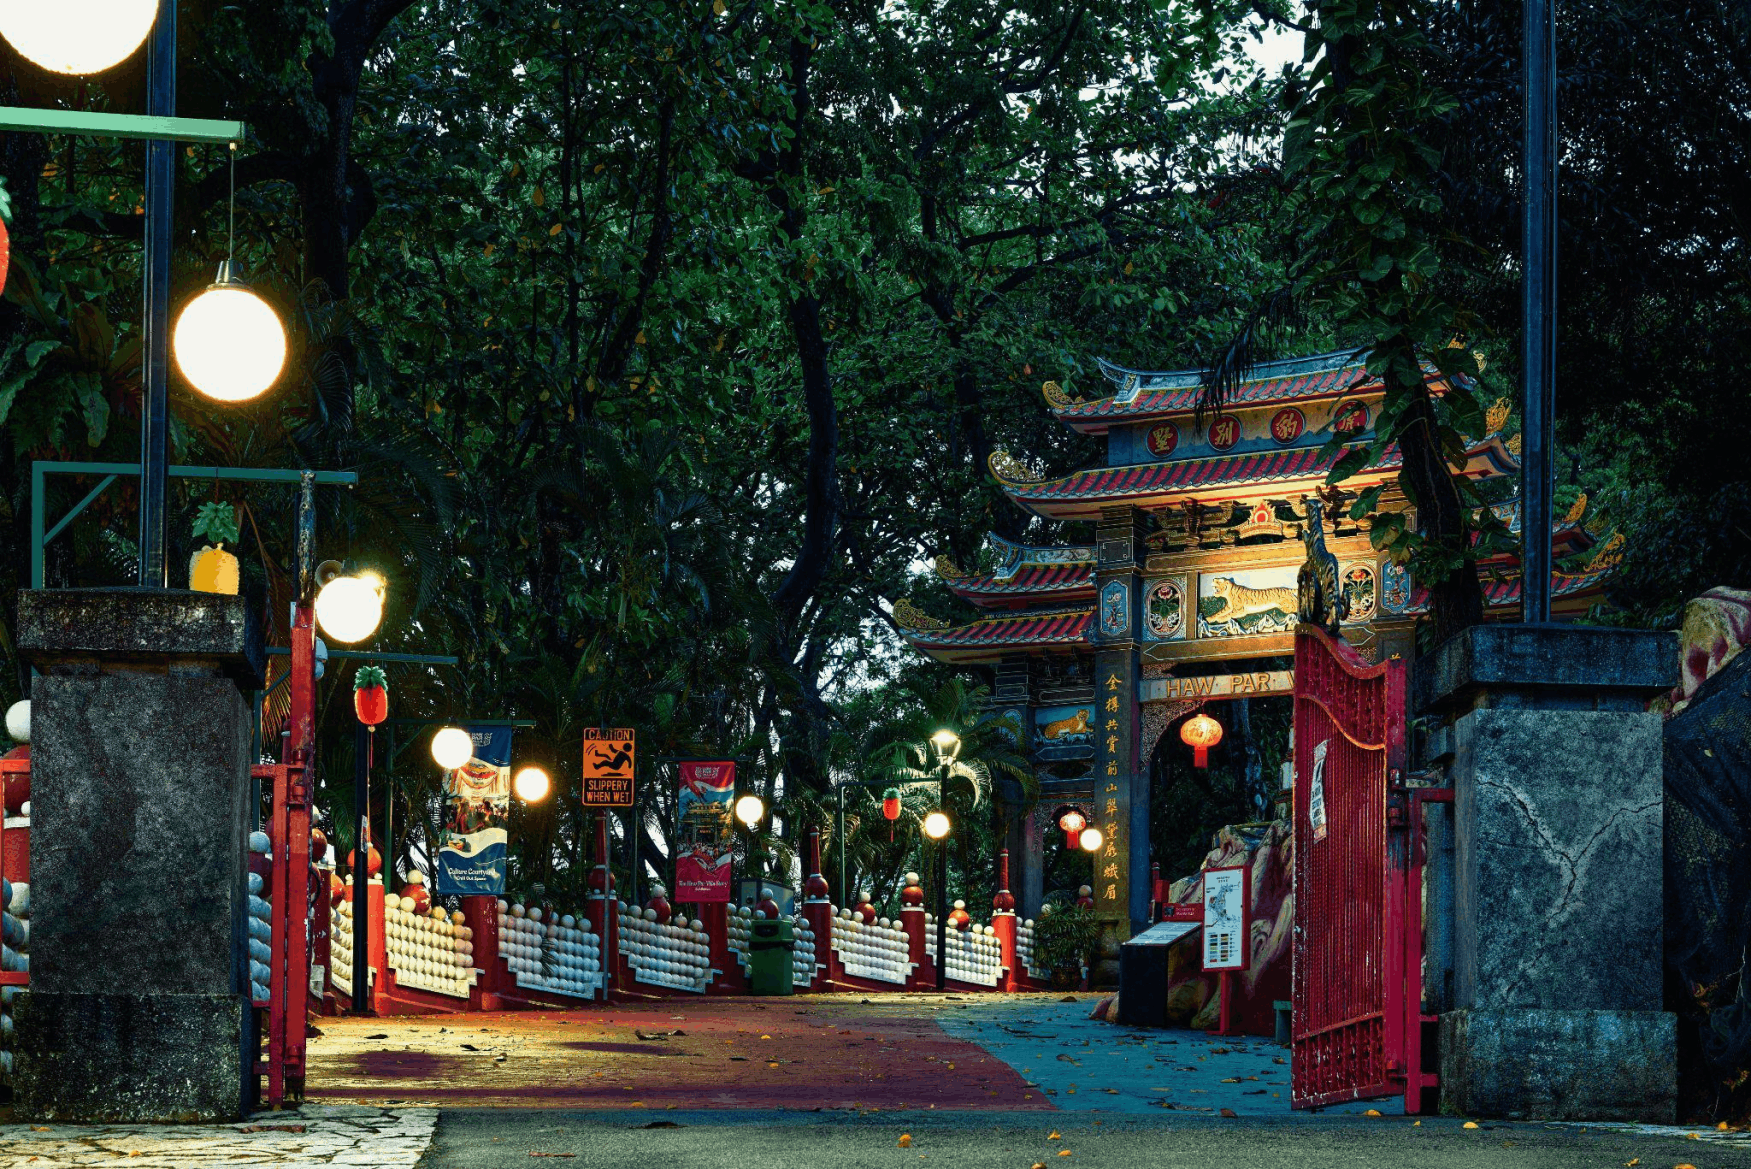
1188	592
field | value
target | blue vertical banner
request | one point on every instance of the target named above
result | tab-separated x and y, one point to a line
472	852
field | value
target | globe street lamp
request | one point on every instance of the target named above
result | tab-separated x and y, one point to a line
229	344
349	608
532	784
1091	840
937	828
452	747
79	37
749	809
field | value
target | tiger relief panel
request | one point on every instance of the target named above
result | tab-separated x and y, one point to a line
1245	602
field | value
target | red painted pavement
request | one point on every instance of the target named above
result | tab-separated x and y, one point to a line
819	1052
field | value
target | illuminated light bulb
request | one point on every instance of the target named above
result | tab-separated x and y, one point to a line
453	747
1091	840
229	344
749	809
532	784
349	608
936	825
79	37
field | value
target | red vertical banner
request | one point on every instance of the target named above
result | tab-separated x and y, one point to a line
705	833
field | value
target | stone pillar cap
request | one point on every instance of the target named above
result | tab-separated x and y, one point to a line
141	627
1546	659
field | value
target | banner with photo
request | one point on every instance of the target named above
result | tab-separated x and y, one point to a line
705	831
473	844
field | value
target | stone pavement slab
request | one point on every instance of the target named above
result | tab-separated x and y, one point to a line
314	1135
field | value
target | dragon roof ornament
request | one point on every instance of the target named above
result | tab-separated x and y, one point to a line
1006	468
910	617
947	569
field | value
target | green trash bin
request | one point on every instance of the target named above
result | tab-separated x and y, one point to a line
771	955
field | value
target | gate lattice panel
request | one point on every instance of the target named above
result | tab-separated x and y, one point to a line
1357	996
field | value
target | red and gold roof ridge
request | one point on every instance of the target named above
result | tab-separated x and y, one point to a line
1022	572
1211	478
1143	395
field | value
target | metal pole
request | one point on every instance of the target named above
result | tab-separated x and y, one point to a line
1538	308
839	840
942	914
160	189
361	876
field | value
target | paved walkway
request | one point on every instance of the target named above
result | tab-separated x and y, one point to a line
1009	1082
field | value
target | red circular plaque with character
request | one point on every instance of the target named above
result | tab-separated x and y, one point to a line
1161	438
1224	431
1350	419
1287	424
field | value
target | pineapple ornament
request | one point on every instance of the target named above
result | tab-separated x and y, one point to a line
371	704
212	569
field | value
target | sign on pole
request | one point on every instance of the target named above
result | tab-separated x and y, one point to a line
1316	791
705	833
471	855
608	767
1225	924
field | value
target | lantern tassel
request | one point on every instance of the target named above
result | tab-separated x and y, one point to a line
1200	757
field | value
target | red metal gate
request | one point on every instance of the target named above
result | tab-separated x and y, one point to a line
1357	1019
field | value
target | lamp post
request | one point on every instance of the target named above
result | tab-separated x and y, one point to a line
1538	307
83	39
749	809
936	826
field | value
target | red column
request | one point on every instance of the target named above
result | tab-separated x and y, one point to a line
716	916
818	911
1003	923
912	921
379	996
482	917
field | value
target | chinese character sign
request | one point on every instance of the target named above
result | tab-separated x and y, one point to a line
472	845
608	767
705	834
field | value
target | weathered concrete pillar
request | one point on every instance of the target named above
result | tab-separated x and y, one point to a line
1556	771
138	1008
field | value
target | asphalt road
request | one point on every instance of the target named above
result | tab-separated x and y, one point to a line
751	1139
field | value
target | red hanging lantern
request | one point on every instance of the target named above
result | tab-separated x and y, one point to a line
1200	733
1072	822
371	695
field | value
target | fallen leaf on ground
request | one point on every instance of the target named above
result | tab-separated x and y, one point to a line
553	1154
1372	1112
378	1035
1231	1114
1469	1124
272	1128
1053	1136
1063	1152
905	1140
1632	1163
1236	1080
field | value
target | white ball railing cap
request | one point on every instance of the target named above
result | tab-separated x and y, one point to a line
18	720
911	878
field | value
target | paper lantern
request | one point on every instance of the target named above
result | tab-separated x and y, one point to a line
891	804
1200	733
1072	822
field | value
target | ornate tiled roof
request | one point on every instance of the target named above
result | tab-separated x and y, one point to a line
1082	494
991	637
1144	394
1058	582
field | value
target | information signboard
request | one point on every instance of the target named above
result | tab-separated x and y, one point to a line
1225	918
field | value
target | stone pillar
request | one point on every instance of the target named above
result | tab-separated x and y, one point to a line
482	915
923	975
1121	779
139	1005
1556	772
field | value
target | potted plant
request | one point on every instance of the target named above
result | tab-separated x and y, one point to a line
1065	940
212	569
